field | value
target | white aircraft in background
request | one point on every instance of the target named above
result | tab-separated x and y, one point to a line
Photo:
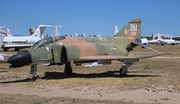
19	42
2	35
161	41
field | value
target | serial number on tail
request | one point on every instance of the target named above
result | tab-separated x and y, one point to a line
132	30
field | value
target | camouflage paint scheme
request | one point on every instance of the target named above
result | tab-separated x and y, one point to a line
91	49
82	48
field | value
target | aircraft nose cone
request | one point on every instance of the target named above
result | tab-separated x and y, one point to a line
22	58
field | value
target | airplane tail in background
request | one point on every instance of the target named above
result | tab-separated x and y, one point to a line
159	36
56	33
2	35
5	31
8	33
132	30
40	29
116	30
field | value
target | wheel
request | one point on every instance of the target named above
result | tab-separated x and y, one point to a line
5	49
121	72
16	49
68	71
68	68
35	77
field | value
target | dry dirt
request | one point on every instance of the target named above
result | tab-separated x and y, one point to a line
153	80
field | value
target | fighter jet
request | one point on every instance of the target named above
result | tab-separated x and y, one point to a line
78	50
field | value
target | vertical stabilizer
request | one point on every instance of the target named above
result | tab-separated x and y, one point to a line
2	35
8	33
56	33
39	30
132	30
159	36
116	30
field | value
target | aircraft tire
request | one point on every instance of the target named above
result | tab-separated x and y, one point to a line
5	49
120	72
35	77
68	69
16	49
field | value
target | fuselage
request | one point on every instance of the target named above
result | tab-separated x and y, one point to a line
77	47
21	39
73	49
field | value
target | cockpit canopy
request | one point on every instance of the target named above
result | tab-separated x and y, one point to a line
47	40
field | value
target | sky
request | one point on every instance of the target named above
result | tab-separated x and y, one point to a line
90	17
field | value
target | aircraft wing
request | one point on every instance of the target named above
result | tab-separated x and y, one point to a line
111	57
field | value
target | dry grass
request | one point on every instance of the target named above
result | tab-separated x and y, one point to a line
22	99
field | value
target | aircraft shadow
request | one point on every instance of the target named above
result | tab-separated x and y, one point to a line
61	75
17	81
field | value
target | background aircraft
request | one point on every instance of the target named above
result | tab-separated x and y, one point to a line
2	35
19	42
86	49
161	41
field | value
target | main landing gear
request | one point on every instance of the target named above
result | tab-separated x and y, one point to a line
125	64
68	68
33	71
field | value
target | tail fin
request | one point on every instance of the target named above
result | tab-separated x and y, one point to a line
40	29
116	30
56	33
159	36
8	33
2	35
132	30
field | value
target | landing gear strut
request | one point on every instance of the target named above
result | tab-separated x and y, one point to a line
68	68
125	64
123	71
16	49
33	71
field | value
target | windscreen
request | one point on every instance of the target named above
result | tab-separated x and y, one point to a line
47	40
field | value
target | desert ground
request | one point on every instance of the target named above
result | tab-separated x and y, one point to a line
149	81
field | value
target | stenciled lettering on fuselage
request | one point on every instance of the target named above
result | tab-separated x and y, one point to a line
132	30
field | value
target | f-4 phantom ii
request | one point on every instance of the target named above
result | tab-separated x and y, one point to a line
78	50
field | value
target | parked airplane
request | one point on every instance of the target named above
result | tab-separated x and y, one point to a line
19	42
86	49
161	41
2	35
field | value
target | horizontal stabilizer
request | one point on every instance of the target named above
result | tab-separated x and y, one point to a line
145	46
